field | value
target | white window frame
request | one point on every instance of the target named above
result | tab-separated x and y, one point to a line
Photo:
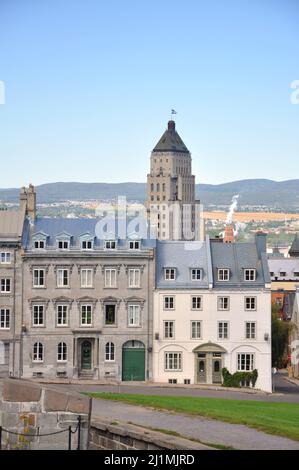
195	323
219	299
62	354
108	276
223	274
65	245
5	285
84	314
170	361
134	245
38	243
169	329
87	242
134	274
109	352
84	273
166	298
115	313
194	272
41	311
250	309
64	314
169	274
221	330
134	313
40	352
250	271
251	324
108	245
196	297
62	278
5	257
5	318
39	270
240	361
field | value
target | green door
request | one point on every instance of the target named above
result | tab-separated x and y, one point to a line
86	355
133	361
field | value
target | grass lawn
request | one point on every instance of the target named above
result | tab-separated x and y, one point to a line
274	418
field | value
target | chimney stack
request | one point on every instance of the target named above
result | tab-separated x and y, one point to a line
28	201
261	242
228	234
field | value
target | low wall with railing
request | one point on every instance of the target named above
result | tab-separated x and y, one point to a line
35	416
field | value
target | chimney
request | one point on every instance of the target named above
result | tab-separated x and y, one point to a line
28	201
171	125
228	234
261	242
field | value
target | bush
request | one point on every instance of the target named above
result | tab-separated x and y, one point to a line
234	380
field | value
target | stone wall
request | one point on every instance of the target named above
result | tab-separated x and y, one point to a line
34	409
112	435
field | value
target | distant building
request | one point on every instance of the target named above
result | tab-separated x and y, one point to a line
171	190
294	336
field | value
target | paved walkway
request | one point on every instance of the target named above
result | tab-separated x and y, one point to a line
208	431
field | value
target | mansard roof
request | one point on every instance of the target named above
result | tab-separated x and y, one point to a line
294	250
171	141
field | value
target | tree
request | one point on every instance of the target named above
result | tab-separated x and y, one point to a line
280	335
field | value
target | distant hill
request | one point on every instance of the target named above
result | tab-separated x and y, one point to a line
284	194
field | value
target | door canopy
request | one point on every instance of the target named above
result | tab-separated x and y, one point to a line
209	347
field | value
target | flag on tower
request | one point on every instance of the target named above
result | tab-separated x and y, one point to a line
173	111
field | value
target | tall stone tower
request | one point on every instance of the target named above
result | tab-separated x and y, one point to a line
171	189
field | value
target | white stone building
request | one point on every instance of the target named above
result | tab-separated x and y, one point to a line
212	309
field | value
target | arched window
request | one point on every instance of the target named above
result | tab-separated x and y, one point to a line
109	356
152	187
158	187
62	352
38	352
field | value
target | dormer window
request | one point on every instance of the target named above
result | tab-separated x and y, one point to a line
169	274
86	245
134	245
223	274
249	274
195	274
283	273
39	244
110	244
63	244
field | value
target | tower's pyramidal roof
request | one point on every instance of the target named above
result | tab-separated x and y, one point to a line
171	141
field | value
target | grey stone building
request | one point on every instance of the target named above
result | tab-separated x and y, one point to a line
87	301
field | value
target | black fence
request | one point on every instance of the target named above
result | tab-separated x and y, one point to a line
24	439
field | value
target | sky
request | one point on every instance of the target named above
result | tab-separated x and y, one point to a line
87	87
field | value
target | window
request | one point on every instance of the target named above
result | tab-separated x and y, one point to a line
5	285
249	274
223	274
38	315
5	257
110	277
110	244
152	187
109	352
134	277
110	317
134	315
196	303
195	330
134	245
62	277
196	274
39	244
4	318
245	361
223	330
250	330
296	273
38	352
169	274
38	278
173	361
86	315
168	303
62	315
250	303
223	303
86	277
63	244
271	273
62	352
282	273
169	329
86	245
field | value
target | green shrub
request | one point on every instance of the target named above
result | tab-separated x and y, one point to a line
234	380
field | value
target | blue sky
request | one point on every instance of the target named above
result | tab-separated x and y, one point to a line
89	86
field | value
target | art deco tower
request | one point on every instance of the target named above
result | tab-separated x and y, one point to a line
171	188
